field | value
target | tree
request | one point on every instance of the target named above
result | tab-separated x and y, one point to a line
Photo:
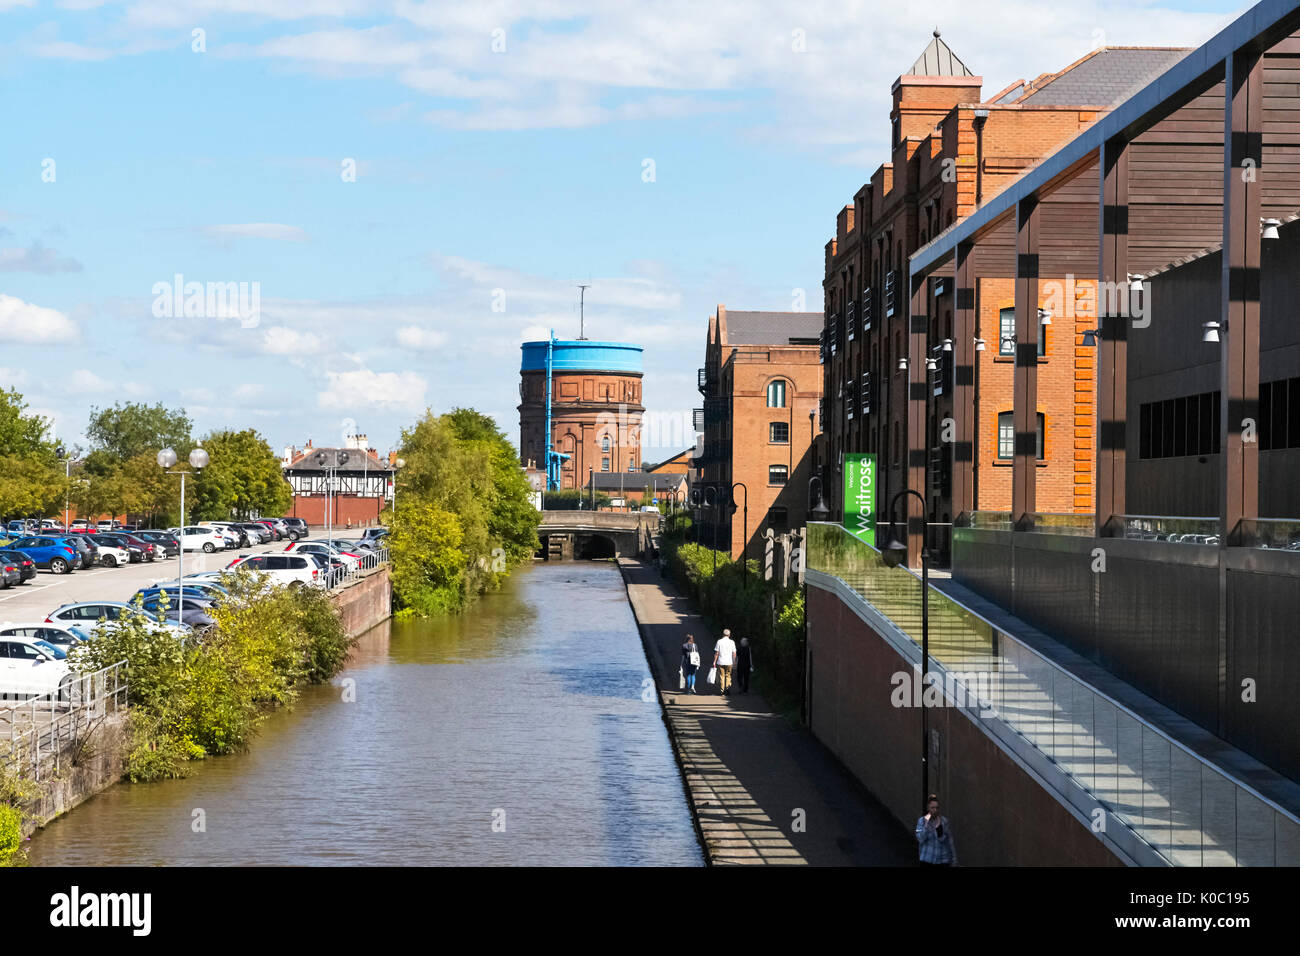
31	481
243	478
130	429
425	543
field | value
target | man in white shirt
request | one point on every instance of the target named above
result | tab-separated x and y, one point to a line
724	656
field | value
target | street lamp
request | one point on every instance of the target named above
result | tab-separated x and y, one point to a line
198	460
399	463
893	554
819	512
67	481
745	526
340	459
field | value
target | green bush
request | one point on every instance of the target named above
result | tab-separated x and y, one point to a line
11	832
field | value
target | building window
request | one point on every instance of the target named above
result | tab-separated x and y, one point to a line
777	474
778	433
776	394
1007	435
1177	427
604	464
1007	327
604	444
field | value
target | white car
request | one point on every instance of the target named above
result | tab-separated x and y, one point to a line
111	556
82	617
29	670
55	634
199	538
318	547
281	568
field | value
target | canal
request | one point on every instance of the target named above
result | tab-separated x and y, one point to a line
515	734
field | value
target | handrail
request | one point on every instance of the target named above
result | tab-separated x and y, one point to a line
941	598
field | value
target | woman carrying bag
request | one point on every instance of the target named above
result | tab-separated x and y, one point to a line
690	664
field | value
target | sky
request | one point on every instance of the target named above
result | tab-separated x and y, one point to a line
403	192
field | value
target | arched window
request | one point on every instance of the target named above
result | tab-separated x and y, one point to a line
776	394
604	443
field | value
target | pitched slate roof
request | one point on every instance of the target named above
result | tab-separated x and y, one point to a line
1102	78
636	481
938	60
358	461
773	328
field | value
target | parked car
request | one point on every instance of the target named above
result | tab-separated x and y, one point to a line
166	543
257	533
25	565
87	550
11	574
281	568
29	670
84	616
278	528
350	560
134	547
113	556
365	556
108	525
199	538
298	526
194	613
58	555
50	633
207	583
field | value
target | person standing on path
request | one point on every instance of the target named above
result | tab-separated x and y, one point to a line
724	656
690	662
934	835
744	663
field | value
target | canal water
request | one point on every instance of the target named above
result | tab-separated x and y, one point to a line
515	734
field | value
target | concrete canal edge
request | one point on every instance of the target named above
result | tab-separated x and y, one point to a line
679	754
362	603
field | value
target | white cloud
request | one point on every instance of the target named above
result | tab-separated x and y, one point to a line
363	388
280	340
256	230
85	382
31	324
420	339
249	392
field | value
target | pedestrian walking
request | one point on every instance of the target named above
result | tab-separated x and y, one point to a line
744	664
690	662
724	658
934	836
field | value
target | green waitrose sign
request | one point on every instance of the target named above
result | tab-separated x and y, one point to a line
860	497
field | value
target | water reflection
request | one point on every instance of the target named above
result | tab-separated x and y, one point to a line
528	711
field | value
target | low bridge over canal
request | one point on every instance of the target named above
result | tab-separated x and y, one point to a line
596	534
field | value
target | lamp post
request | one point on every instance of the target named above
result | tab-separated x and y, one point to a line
744	567
895	553
819	512
340	459
397	465
198	460
67	481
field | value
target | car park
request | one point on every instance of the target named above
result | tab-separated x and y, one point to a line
57	555
25	565
29	670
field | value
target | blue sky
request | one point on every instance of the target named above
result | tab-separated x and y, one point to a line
489	182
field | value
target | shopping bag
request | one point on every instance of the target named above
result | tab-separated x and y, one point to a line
681	679
713	676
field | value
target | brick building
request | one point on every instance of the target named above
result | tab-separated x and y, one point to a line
595	407
953	151
761	383
327	489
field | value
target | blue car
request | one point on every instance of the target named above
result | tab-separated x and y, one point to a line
58	555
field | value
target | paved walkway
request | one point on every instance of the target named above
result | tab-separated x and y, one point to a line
764	792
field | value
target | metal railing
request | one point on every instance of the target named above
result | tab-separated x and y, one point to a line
346	573
1178	803
1174	529
41	731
